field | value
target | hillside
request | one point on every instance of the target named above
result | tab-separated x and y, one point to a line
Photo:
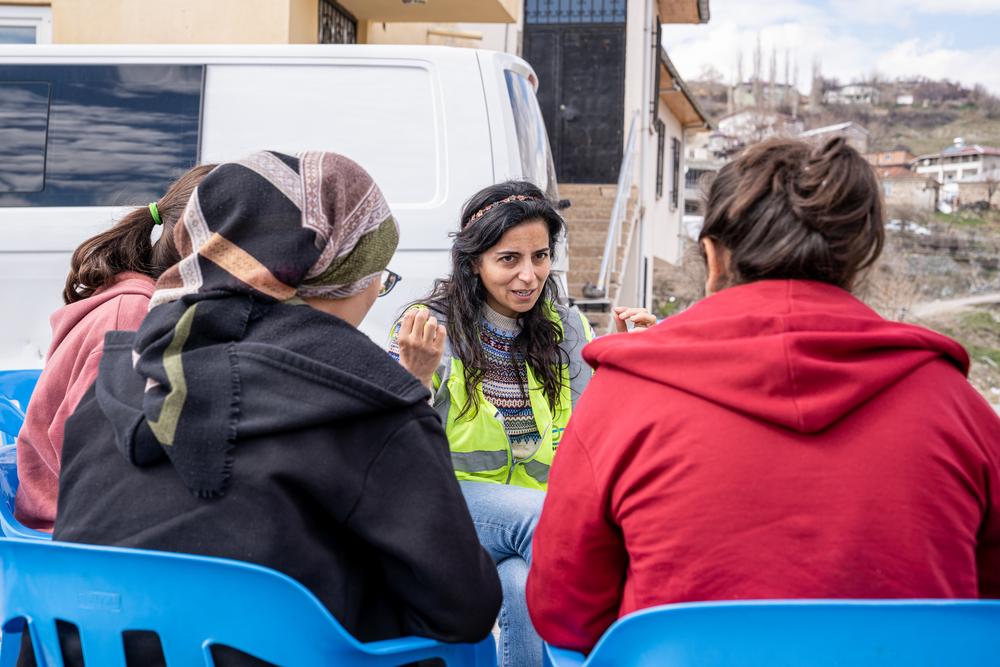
940	112
922	130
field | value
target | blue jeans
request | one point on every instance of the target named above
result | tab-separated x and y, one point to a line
505	518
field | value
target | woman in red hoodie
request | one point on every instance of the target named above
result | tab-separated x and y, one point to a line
779	439
110	282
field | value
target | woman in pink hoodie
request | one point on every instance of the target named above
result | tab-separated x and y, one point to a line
110	282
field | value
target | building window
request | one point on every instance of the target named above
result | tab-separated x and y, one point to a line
660	141
692	207
692	177
25	25
336	24
887	189
675	183
574	11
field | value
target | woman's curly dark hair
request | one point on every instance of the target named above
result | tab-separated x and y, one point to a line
461	296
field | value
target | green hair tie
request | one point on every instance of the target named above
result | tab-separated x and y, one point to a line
155	213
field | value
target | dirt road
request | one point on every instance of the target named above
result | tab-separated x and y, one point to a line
932	308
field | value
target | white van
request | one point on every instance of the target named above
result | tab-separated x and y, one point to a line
87	130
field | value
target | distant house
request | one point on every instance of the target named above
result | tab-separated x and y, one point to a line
904	100
856	135
772	96
967	173
706	154
902	188
750	126
898	157
959	162
854	93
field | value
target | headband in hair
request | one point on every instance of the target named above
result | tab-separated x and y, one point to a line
506	200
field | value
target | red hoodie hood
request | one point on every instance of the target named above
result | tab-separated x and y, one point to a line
796	353
66	318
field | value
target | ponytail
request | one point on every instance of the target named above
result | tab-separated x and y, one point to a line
127	245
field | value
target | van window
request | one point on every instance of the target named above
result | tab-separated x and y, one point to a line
24	121
532	141
96	135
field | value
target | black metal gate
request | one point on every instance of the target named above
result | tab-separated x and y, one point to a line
577	48
336	24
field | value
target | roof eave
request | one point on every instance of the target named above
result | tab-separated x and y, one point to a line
683	88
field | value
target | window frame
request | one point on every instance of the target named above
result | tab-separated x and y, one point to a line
27	16
44	136
675	177
661	132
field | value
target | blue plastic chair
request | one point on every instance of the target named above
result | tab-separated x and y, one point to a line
9	526
15	392
191	602
769	633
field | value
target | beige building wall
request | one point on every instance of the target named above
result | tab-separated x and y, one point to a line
248	22
909	193
174	21
663	217
504	37
970	193
303	22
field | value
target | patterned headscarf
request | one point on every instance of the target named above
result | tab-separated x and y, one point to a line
268	228
281	226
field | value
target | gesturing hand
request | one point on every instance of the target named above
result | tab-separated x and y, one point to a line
639	317
421	344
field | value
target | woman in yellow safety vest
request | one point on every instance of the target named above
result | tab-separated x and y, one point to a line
502	359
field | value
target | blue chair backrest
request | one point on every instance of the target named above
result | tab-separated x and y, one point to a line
799	632
9	526
15	392
191	602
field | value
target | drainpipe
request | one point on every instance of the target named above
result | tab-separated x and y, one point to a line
648	63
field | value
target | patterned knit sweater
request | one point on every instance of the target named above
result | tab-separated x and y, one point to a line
505	384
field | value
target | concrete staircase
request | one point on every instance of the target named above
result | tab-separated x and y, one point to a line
587	220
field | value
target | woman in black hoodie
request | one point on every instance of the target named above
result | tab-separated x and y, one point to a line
248	418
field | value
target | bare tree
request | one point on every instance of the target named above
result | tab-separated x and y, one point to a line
786	90
795	90
772	77
989	104
758	97
992	180
816	92
710	74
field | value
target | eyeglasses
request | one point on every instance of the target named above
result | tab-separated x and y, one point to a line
389	280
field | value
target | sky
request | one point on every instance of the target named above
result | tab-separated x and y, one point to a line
939	39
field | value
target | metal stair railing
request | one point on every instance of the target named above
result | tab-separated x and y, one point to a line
626	176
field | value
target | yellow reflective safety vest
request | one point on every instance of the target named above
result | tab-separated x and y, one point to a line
480	449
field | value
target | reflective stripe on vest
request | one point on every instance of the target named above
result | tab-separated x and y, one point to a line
538	471
480	461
